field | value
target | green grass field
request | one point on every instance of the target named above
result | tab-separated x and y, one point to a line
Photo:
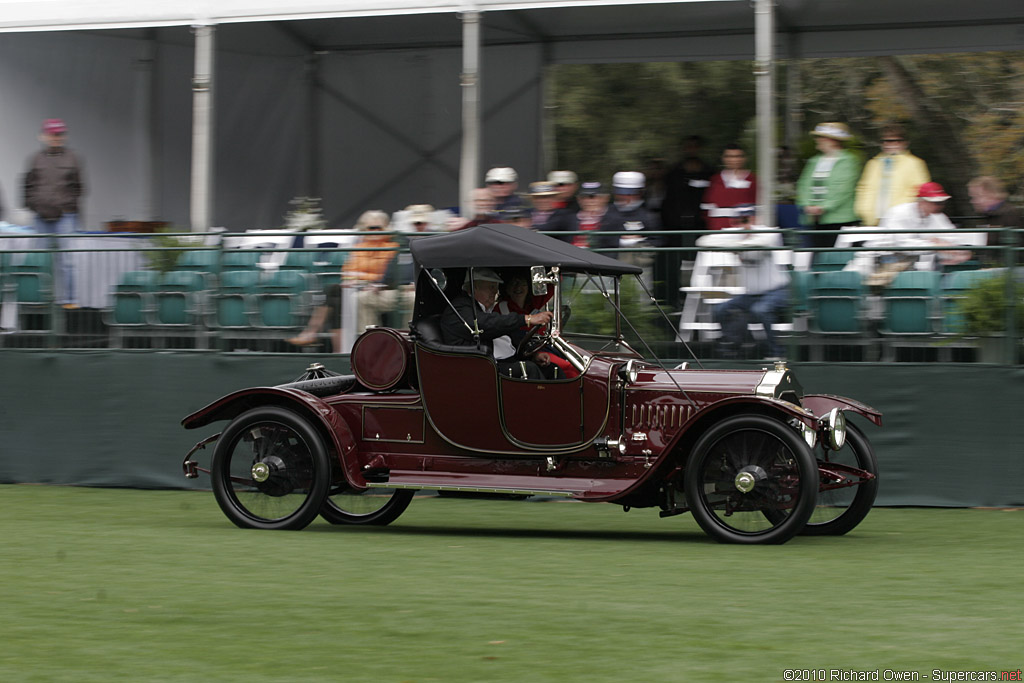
103	585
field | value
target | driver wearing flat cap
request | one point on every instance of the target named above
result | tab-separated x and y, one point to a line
475	306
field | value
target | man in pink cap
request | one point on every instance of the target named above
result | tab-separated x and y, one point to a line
53	187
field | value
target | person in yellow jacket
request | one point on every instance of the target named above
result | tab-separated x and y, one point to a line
891	178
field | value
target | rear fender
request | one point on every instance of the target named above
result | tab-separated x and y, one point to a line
322	416
820	404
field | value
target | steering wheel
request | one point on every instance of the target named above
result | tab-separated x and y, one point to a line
533	341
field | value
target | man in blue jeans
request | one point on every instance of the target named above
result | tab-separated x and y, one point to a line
766	283
53	188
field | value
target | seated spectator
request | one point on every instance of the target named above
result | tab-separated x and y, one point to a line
397	289
988	197
502	183
766	283
926	213
473	309
362	269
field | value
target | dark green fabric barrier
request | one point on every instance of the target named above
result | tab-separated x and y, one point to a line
103	418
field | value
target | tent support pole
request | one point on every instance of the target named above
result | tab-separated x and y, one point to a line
469	169
202	130
764	67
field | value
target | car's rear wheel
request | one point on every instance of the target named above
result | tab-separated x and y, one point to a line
270	470
373	506
751	479
841	509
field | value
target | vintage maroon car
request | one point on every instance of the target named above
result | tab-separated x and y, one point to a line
746	451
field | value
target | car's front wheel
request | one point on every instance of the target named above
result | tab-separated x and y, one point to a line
751	479
373	506
270	470
843	506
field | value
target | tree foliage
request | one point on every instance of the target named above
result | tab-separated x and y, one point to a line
964	112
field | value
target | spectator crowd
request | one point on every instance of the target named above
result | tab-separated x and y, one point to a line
651	218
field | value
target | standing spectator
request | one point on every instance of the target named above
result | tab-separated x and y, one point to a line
503	182
734	185
483	210
567	183
890	178
595	215
54	185
988	197
685	185
545	215
827	186
627	193
766	284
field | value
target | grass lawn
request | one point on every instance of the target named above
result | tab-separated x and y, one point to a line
103	585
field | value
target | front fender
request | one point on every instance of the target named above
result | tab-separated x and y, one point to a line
820	404
668	459
330	422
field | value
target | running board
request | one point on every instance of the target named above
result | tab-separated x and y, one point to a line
470	489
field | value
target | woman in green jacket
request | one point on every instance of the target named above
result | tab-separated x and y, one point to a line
828	184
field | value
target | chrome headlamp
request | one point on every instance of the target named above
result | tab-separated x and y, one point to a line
629	371
833	429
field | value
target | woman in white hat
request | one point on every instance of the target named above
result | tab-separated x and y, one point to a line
828	184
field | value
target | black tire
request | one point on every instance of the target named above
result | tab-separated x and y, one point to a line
765	455
840	510
373	506
270	470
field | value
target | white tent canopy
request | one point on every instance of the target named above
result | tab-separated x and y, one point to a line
362	102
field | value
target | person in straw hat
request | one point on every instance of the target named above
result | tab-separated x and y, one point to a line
828	184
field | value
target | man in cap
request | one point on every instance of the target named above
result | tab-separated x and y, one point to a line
828	184
628	197
53	187
473	309
567	184
890	178
545	215
595	215
765	281
925	213
502	183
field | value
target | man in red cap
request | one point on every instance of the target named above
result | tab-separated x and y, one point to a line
927	214
923	214
53	187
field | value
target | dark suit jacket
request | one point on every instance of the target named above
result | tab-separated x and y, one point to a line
492	325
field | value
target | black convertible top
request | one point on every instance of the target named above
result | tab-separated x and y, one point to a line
502	245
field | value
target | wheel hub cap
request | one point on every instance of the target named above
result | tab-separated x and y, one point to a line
260	472
747	478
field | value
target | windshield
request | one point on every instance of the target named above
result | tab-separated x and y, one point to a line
594	323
